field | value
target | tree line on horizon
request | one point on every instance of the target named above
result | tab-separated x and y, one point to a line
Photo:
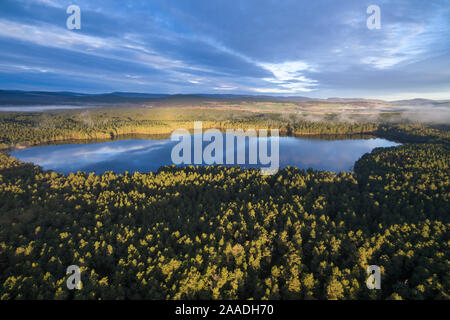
25	129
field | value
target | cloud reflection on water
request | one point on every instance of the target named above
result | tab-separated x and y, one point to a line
145	155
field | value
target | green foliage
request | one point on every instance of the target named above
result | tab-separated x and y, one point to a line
224	232
18	129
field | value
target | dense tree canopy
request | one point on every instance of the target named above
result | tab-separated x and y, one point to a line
226	232
37	128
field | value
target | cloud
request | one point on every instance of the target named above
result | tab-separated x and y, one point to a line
322	48
51	36
287	78
224	87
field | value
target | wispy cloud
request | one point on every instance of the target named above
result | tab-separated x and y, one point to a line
322	48
288	78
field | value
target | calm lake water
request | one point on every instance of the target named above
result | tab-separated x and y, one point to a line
145	155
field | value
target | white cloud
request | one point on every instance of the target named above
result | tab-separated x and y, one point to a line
225	87
51	36
50	3
286	70
24	68
403	43
288	78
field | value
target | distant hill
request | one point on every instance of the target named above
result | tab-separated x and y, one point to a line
38	98
139	95
30	98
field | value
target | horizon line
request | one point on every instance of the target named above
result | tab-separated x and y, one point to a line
221	94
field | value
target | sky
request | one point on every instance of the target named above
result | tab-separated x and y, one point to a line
314	48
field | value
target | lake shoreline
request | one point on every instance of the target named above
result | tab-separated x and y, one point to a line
148	155
326	136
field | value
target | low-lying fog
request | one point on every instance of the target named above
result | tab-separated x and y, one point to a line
428	114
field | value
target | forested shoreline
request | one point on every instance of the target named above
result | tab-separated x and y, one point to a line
229	233
224	158
30	129
225	232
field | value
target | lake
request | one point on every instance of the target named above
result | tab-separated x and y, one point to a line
144	155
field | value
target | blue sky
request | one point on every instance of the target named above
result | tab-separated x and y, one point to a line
285	47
